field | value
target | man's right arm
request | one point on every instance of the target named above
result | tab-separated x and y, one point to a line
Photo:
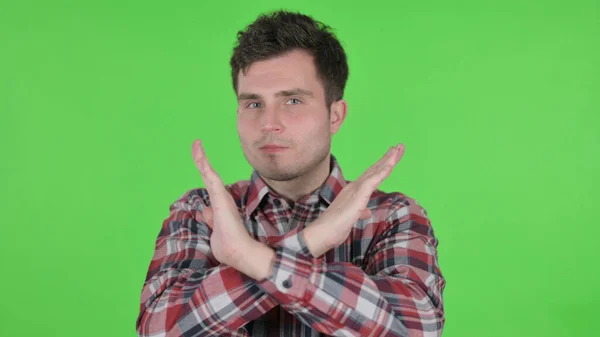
186	291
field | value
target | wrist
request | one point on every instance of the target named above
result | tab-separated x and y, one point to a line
257	261
242	252
316	239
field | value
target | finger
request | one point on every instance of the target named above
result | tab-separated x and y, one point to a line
381	164
199	157
377	173
389	161
400	151
209	176
365	214
208	216
393	156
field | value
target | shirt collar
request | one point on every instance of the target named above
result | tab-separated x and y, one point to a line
335	182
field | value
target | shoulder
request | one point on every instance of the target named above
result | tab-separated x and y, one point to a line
402	205
394	203
397	208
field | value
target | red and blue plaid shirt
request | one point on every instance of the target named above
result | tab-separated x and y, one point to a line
384	280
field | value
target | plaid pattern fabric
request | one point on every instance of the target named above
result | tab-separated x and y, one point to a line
383	281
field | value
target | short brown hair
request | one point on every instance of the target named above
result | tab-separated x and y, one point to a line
276	33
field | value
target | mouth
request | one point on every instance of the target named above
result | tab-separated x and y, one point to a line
273	148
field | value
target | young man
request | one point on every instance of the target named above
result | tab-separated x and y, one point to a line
296	250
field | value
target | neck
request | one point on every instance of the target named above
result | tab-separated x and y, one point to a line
300	186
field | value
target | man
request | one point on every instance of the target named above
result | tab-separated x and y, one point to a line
296	250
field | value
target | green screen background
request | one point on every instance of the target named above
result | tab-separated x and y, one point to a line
497	103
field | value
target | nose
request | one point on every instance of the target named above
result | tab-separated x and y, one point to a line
271	121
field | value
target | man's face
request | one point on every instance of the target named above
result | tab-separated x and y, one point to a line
281	101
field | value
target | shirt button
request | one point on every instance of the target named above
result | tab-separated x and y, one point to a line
287	283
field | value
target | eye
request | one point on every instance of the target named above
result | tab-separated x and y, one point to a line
297	101
251	105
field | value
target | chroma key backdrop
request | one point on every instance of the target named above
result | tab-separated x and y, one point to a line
497	102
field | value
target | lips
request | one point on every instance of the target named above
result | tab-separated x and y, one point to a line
273	146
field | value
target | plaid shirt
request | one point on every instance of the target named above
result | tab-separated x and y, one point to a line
384	280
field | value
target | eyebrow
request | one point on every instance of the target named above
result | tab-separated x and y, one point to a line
282	93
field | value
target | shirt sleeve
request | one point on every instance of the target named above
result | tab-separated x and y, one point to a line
186	291
399	292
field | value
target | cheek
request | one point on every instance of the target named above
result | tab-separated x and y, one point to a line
311	134
243	135
244	128
316	128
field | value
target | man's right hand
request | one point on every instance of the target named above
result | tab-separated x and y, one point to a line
230	239
333	226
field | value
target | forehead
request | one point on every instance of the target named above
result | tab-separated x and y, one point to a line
295	69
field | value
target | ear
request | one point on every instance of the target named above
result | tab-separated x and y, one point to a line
338	109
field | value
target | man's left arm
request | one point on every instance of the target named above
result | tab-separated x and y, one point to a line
398	294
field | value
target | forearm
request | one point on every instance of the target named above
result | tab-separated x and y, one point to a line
259	259
312	290
186	292
316	239
257	262
175	302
